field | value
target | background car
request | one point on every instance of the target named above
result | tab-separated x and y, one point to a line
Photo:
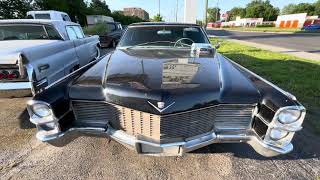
111	39
312	27
36	53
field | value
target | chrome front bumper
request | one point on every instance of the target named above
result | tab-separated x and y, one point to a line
177	148
15	89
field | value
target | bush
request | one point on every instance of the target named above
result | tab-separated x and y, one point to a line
265	25
226	27
97	29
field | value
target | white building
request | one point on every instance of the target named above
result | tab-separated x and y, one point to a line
291	20
243	22
190	11
94	19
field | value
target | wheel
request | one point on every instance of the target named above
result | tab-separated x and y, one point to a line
98	53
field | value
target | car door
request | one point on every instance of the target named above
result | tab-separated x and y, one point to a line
48	60
76	35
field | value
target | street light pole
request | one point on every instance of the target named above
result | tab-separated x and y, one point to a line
206	14
217	14
159	8
177	10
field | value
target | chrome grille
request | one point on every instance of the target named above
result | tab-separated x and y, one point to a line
166	128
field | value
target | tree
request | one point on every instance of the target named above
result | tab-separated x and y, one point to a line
212	14
310	9
237	11
157	18
262	9
125	20
289	9
10	9
317	8
99	7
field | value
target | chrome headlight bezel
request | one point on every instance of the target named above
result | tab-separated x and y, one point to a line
35	117
290	126
289	116
41	110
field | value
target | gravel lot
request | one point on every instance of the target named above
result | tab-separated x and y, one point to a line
24	157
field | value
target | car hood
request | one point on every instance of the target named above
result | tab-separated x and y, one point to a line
10	50
140	78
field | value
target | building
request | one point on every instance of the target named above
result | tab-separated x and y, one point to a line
94	19
291	20
225	16
190	15
296	20
243	22
136	12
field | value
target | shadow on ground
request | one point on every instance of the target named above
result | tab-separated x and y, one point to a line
24	122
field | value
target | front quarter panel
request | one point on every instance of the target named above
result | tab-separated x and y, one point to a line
271	95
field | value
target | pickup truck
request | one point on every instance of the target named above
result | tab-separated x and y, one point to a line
36	53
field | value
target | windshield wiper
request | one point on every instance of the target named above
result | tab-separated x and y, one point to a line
143	44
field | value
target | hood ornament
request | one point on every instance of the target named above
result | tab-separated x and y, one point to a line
161	106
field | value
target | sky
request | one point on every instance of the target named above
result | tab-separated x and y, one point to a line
168	7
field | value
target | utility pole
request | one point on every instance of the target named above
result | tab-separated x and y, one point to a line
177	10
217	14
159	8
206	14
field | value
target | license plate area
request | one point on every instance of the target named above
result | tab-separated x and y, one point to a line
157	150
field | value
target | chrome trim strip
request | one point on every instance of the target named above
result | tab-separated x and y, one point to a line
161	110
74	72
183	146
253	105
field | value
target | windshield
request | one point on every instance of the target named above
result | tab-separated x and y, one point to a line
28	32
162	36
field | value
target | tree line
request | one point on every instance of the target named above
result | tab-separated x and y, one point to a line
264	9
77	9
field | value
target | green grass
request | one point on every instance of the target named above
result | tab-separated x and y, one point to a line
97	29
270	29
300	77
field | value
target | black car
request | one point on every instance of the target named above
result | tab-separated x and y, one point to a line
166	91
111	38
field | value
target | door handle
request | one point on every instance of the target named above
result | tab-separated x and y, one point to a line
43	67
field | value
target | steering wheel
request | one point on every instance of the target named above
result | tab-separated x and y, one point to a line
179	41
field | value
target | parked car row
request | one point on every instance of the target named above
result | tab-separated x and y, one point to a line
166	91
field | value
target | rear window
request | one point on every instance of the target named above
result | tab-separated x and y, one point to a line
65	17
28	32
42	16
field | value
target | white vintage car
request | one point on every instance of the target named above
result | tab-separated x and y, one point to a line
36	53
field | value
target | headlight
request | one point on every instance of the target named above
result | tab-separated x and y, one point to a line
289	116
41	110
277	134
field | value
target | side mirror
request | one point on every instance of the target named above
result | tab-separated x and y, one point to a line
217	46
